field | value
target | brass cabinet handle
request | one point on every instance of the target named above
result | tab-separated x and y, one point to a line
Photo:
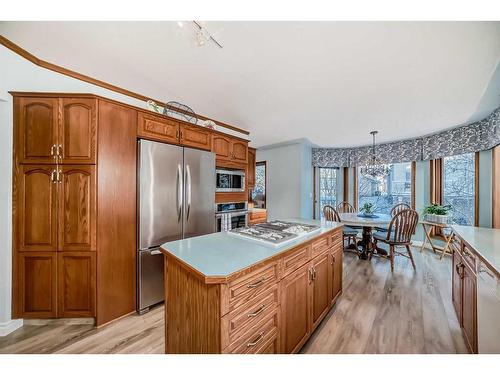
52	152
257	312
457	267
59	151
253	343
257	283
177	134
333	259
52	175
59	176
180	135
314	273
310	275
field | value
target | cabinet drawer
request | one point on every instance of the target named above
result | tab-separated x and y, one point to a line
257	338
336	238
255	215
237	322
320	245
296	259
243	289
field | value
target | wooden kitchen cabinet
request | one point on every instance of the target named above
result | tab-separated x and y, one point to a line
195	136
77	131
45	137
35	208
335	274
37	289
321	290
456	279
295	309
230	149
157	128
77	208
469	307
251	167
76	284
36	129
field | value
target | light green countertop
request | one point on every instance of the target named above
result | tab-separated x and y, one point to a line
221	254
485	241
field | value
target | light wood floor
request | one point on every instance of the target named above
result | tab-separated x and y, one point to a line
379	312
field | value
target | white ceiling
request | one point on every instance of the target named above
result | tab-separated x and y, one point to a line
330	82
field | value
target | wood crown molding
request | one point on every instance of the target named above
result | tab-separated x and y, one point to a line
70	73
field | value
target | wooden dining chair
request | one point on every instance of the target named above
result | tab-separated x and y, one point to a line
345	207
395	210
331	214
399	233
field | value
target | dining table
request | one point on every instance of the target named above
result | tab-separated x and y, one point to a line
367	223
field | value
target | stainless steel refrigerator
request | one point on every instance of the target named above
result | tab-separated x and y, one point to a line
176	200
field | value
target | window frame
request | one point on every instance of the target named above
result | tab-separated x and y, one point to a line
264	163
317	187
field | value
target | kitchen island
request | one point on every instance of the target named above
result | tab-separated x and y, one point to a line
226	294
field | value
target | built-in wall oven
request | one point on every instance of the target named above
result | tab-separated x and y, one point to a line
230	215
229	180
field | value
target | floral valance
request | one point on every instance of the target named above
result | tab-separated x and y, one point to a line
478	136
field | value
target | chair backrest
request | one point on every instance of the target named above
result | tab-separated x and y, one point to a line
345	207
399	207
402	226
331	214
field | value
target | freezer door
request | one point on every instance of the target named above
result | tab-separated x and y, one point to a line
151	289
160	193
199	177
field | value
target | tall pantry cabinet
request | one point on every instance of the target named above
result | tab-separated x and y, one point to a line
62	147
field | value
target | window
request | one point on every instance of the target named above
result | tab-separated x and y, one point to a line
458	187
259	191
327	188
388	191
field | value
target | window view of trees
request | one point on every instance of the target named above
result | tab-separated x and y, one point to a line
388	191
458	187
327	188
259	191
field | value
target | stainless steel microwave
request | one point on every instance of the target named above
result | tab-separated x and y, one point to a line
229	180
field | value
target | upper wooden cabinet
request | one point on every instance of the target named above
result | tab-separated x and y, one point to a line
230	149
77	131
35	128
55	130
195	136
156	127
251	167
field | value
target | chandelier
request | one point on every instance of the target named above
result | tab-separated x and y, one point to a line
373	168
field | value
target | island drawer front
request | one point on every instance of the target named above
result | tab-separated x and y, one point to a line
336	238
296	259
469	257
247	287
238	321
320	245
256	337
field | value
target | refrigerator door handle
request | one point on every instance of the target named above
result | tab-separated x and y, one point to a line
188	191
179	192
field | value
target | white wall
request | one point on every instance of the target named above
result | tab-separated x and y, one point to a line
289	180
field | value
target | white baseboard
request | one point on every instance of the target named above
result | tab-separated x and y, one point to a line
10	326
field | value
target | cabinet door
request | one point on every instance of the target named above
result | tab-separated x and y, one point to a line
469	308
456	288
76	284
335	275
36	121
321	299
195	136
239	151
77	132
37	284
36	208
221	145
251	168
77	208
157	128
295	309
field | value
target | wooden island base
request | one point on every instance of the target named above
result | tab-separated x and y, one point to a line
270	307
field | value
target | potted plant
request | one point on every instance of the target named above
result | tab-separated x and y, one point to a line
368	209
437	213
